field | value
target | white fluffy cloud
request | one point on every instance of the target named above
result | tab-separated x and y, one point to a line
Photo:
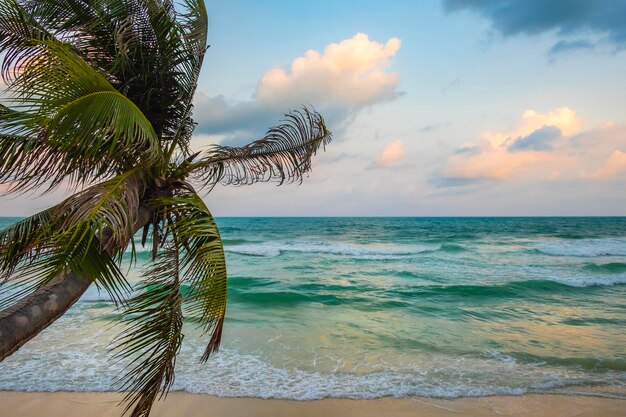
550	146
339	81
349	73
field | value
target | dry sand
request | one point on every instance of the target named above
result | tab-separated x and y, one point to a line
71	404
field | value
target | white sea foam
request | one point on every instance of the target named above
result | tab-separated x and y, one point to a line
272	249
584	247
232	374
583	282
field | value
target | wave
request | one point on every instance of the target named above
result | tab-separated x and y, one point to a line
229	242
510	289
371	298
587	363
139	248
452	248
264	291
233	374
612	267
273	249
278	298
587	248
573	236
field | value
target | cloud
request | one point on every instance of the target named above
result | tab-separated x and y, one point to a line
391	155
567	18
348	73
550	147
539	140
339	81
564	118
216	115
493	164
613	166
564	46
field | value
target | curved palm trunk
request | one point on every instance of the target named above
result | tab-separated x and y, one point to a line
29	316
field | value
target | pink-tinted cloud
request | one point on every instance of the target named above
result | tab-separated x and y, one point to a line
350	73
563	118
391	155
550	147
614	165
495	164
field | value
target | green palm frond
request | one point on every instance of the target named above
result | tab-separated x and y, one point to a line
77	251
151	50
84	233
203	264
21	239
193	26
19	32
193	255
110	208
72	121
153	333
284	154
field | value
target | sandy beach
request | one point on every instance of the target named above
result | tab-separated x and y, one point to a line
178	404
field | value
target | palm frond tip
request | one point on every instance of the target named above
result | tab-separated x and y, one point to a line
283	154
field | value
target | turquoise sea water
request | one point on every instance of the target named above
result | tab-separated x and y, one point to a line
371	307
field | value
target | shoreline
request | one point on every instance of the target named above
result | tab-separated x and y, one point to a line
182	404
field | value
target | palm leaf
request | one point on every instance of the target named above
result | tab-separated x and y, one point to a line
284	154
72	121
153	334
82	233
19	33
203	263
193	255
194	27
151	50
21	239
110	208
77	251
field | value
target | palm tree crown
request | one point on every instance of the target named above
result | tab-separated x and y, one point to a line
100	101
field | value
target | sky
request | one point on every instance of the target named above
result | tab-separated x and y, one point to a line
437	107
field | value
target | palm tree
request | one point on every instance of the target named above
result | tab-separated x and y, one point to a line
100	102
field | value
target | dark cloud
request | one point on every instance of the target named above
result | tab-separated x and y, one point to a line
434	127
468	150
244	121
569	46
215	115
539	140
566	17
441	181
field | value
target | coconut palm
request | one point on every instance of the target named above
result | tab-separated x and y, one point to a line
100	102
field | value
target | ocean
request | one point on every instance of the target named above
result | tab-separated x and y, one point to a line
374	307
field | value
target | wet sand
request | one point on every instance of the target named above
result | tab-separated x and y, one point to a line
178	404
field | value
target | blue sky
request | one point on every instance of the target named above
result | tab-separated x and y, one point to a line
442	107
